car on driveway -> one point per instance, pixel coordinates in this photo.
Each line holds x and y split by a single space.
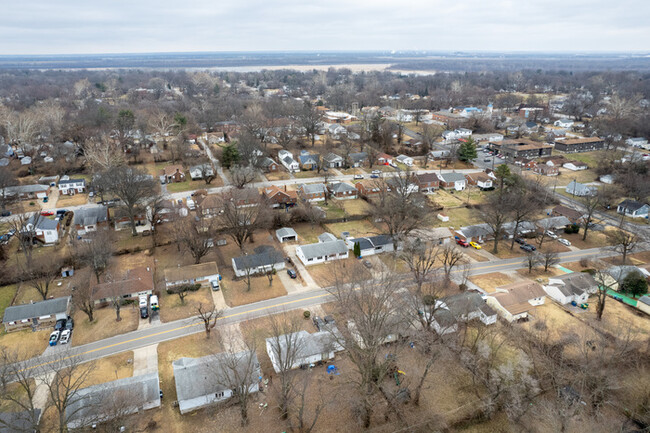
292 273
47 213
564 242
528 248
69 324
358 176
144 312
54 338
60 325
475 245
367 264
550 234
520 241
462 243
215 285
65 336
318 322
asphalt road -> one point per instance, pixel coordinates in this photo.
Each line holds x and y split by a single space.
172 330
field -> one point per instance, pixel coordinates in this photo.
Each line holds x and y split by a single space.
71 200
458 217
111 368
236 292
489 282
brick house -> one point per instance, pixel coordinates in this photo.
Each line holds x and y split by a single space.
312 191
174 173
368 188
546 170
342 190
278 197
480 180
427 182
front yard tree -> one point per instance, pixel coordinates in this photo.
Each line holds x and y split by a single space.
623 242
133 187
208 316
590 204
13 374
467 151
124 123
196 236
309 118
495 214
42 273
82 298
96 250
420 259
635 284
7 179
450 256
243 213
242 175
183 290
549 257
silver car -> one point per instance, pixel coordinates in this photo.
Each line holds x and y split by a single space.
564 242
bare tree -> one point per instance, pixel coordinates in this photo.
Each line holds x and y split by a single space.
133 187
96 250
601 278
421 258
24 224
495 214
154 207
623 242
208 316
42 272
450 256
243 213
590 203
242 175
14 374
182 290
103 153
305 211
303 423
549 257
83 298
7 179
196 236
532 259
309 118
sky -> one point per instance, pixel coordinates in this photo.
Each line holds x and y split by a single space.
141 26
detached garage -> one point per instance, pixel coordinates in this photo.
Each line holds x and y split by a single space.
286 234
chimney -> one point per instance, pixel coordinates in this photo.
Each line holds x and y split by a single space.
285 188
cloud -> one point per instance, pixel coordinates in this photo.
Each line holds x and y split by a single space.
74 26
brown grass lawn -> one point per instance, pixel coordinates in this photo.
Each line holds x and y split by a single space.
353 170
539 274
557 319
475 255
356 228
393 263
619 318
124 240
458 217
7 294
236 292
322 274
71 200
172 309
446 199
104 325
491 281
504 249
643 257
307 234
307 174
27 344
356 206
594 239
111 368
277 175
581 176
27 293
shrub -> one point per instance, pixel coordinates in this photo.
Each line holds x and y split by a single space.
306 314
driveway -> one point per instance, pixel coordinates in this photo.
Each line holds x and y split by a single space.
53 197
308 281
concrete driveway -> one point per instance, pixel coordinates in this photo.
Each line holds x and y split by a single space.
308 281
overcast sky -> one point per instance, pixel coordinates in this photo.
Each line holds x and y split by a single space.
122 26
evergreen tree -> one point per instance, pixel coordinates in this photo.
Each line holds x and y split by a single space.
357 249
467 151
230 156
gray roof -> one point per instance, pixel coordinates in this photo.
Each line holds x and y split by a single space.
524 227
43 223
48 307
465 303
197 377
476 230
308 159
372 241
331 157
308 344
576 283
26 189
313 188
453 177
90 216
320 249
106 401
267 257
66 181
286 232
267 161
358 157
620 272
326 237
17 422
288 160
631 205
342 187
552 222
579 189
645 299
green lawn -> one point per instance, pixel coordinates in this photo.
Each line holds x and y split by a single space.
591 158
7 294
188 185
331 210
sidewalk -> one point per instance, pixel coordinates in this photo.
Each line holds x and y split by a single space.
145 360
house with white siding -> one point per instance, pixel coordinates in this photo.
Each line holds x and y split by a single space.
321 252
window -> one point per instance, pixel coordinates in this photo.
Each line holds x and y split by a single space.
219 394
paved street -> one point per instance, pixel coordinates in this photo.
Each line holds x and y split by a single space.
300 300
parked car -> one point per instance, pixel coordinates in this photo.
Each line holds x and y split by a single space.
520 241
144 312
142 301
487 160
6 213
69 324
292 273
550 234
215 285
374 176
358 176
54 338
367 264
527 248
462 243
377 172
475 245
564 242
65 336
60 325
329 320
47 213
318 322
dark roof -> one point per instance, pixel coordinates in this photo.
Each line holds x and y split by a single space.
576 283
49 307
90 216
266 257
372 241
358 157
567 212
18 422
464 303
631 205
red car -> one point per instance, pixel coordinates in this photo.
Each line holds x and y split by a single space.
47 213
462 243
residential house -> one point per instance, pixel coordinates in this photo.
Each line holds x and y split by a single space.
491 136
607 179
372 245
427 182
72 186
521 148
308 161
121 220
321 252
173 173
446 117
279 197
286 159
480 179
524 228
268 165
456 134
326 237
36 315
26 191
555 161
216 137
633 209
43 228
101 403
637 142
580 190
616 274
286 234
514 301
136 282
368 188
309 348
247 197
333 160
546 170
476 233
384 159
342 190
406 160
462 307
572 287
89 219
358 159
575 165
579 144
312 191
392 328
265 259
201 382
453 180
200 171
208 206
438 155
192 274
563 123
553 223
48 180
643 304
571 214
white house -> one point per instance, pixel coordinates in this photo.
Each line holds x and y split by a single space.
456 134
563 123
633 209
286 159
201 170
576 286
372 245
637 142
201 382
72 186
575 165
580 190
44 229
321 252
266 259
514 301
310 348
406 160
453 180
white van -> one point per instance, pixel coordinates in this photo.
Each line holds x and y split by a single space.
190 204
153 301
